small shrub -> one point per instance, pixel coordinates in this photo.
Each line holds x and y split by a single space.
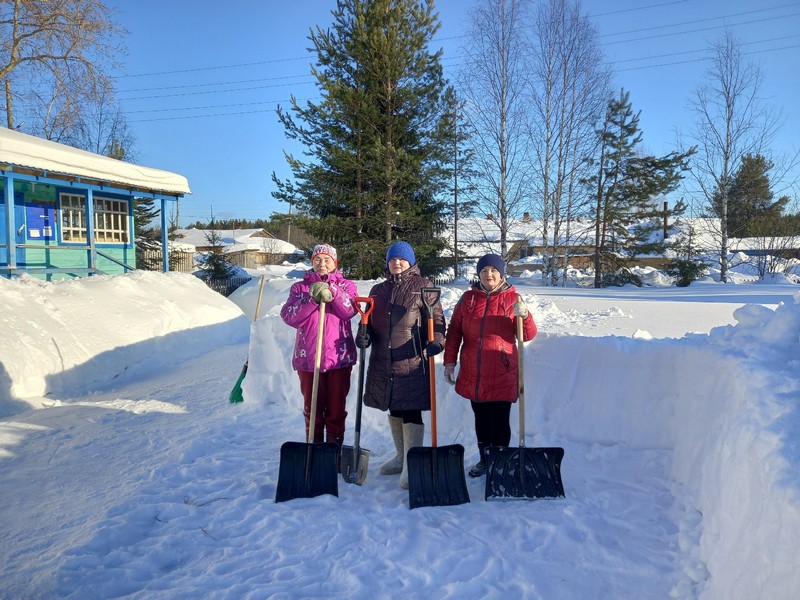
620 278
685 271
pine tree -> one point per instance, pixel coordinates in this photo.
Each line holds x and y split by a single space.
626 188
380 140
145 236
215 265
750 205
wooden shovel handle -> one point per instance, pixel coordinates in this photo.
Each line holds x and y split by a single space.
315 382
521 382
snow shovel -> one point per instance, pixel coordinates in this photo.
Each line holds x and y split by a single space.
354 460
236 393
309 470
523 472
436 474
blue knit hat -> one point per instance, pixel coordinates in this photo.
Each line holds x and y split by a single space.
492 260
401 250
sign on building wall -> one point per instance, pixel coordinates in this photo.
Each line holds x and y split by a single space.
40 220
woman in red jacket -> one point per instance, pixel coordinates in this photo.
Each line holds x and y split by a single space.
482 335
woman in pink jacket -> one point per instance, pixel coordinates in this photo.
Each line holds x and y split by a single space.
324 282
482 336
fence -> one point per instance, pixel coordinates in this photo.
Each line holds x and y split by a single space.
150 260
440 280
225 285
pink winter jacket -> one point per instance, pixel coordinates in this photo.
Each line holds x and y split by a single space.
302 313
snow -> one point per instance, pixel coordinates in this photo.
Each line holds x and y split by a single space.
22 150
234 240
125 472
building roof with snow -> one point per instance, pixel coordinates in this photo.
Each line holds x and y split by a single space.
234 240
21 153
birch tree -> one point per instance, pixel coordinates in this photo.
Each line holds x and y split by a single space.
58 51
568 91
492 85
731 122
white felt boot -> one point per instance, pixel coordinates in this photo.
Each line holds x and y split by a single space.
395 465
412 438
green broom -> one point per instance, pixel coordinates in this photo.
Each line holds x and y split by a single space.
236 393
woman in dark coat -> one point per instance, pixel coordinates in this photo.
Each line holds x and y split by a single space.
397 376
482 337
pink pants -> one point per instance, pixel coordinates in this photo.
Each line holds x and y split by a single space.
332 392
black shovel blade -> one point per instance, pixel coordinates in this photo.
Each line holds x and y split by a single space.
436 476
524 472
353 465
307 470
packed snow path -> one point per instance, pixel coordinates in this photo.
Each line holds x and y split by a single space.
163 489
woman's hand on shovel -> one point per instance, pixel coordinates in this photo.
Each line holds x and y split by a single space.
321 292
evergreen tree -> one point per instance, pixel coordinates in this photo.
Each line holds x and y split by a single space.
750 205
380 141
215 266
145 236
626 189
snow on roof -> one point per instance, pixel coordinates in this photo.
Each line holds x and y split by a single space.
236 240
28 152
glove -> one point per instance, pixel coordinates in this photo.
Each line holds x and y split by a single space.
450 374
520 309
432 349
320 292
363 340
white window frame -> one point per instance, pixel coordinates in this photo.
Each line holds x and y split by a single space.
111 219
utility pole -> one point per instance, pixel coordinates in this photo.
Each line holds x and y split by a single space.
455 205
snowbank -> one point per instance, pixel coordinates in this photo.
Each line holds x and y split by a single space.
723 405
135 321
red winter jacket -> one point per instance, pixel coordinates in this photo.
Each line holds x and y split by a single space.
482 337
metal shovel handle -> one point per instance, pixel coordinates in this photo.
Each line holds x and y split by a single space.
427 292
365 313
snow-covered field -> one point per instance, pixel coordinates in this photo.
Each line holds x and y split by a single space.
125 472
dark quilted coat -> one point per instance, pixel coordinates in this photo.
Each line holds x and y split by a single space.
397 377
482 338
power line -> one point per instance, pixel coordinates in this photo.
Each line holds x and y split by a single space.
179 87
696 21
726 26
297 58
311 80
655 56
192 70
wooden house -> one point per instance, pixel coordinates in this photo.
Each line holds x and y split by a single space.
67 212
247 248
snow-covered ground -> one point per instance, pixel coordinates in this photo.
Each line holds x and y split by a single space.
125 472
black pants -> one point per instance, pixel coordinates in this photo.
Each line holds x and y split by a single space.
492 426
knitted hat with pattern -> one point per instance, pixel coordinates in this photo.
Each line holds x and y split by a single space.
325 249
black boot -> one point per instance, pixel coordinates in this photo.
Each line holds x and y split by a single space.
479 470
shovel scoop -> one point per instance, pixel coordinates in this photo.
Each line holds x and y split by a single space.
354 459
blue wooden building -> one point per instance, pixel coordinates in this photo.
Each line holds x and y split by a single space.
66 212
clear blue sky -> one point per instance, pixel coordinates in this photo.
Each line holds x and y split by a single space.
202 79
